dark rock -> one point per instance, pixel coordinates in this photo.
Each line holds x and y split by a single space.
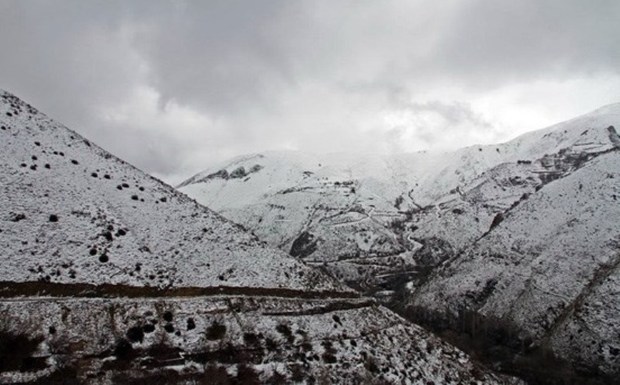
304 245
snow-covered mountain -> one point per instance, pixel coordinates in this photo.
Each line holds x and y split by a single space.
109 276
525 232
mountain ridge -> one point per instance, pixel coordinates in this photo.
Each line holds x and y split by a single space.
472 223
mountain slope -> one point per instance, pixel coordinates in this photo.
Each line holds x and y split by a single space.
110 276
74 214
548 269
351 212
523 232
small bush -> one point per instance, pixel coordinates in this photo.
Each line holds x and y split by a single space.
18 217
247 375
16 351
168 316
398 225
286 332
135 334
191 324
217 375
148 328
123 350
329 358
277 378
251 339
216 331
371 365
271 345
238 172
297 373
399 201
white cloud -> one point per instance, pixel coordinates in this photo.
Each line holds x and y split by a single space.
175 86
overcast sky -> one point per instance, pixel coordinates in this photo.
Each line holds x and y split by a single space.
173 86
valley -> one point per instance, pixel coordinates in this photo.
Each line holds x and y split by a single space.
520 237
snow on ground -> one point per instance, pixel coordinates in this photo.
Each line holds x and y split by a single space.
524 231
297 341
109 276
360 207
553 258
72 213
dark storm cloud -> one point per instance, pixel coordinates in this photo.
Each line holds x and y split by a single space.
174 85
218 55
65 58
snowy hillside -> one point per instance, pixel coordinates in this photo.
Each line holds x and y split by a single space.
549 269
350 212
482 230
109 276
74 213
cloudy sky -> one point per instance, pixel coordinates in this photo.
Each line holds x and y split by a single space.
173 86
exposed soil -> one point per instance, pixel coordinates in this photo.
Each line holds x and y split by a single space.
83 290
